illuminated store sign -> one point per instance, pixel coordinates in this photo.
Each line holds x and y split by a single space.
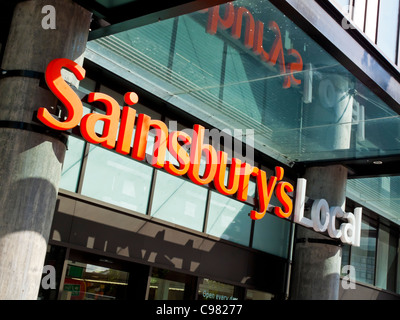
118 132
253 39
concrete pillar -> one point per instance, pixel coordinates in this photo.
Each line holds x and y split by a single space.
31 162
317 259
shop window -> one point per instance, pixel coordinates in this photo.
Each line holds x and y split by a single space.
258 295
179 201
229 219
72 162
271 235
55 258
214 290
117 180
170 285
85 281
386 259
363 257
345 258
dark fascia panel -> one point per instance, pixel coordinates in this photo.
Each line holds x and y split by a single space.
141 12
349 47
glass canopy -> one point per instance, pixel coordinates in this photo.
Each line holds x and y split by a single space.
244 65
213 73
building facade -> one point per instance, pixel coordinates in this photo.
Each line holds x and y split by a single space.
129 196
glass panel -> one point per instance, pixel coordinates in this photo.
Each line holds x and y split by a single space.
363 257
169 285
345 257
398 267
73 159
388 28
359 13
90 282
229 219
72 164
386 259
214 290
342 5
372 13
55 258
116 179
219 77
271 235
381 195
258 295
179 201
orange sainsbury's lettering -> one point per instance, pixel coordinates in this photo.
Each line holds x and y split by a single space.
144 122
281 193
110 121
216 169
264 191
234 175
64 93
197 149
127 124
244 180
178 152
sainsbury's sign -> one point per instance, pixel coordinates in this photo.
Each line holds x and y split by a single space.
118 133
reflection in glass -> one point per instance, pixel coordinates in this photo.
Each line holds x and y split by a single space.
214 290
179 201
90 282
170 285
379 194
161 289
229 219
271 235
117 180
219 78
386 258
258 295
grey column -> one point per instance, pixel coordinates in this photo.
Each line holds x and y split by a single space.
317 265
31 162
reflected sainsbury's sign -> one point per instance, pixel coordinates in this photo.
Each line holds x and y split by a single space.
254 38
118 133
